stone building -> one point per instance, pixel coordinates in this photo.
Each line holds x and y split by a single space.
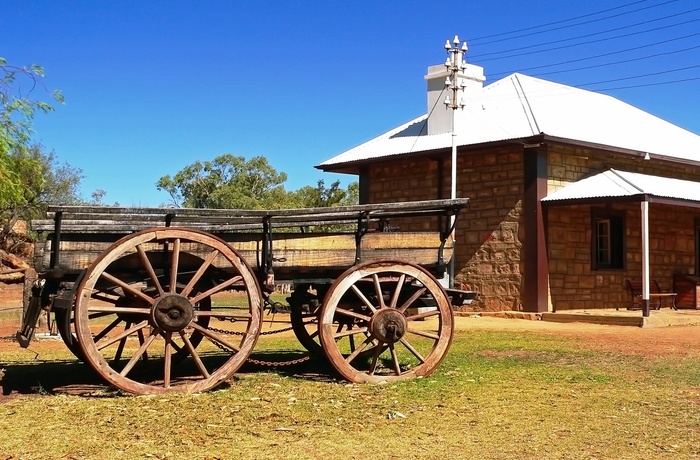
572 192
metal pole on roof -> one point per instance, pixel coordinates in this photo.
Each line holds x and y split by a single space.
454 84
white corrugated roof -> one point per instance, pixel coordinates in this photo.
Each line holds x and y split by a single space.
520 106
613 183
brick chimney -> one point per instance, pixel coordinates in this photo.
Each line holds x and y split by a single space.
440 120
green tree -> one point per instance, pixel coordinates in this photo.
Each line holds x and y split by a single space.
40 181
17 104
228 182
322 196
30 178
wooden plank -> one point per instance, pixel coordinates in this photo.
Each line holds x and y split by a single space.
313 252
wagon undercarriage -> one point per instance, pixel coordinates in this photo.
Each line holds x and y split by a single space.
147 310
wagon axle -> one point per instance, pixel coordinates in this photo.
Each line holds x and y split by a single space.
388 326
172 312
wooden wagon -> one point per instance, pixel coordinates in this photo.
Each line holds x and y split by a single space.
162 300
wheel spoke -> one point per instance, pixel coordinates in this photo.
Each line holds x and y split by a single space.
423 333
395 298
108 328
352 314
378 290
358 350
395 359
142 349
350 332
195 356
214 337
168 336
120 347
200 271
416 295
364 299
412 349
103 297
423 315
375 358
127 287
149 269
121 335
141 340
217 288
112 310
174 265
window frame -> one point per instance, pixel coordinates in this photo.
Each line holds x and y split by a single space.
615 240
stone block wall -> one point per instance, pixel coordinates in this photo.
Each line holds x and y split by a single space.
488 233
572 282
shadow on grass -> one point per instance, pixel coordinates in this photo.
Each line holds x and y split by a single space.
52 377
300 365
76 378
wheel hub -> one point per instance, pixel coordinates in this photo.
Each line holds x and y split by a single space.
172 312
388 326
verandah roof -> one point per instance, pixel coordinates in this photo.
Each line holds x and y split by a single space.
614 185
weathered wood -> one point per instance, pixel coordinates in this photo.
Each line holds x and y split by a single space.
290 250
87 231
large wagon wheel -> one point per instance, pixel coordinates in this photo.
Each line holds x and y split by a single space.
144 306
65 324
397 322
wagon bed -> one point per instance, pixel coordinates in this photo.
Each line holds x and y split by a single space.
134 290
283 240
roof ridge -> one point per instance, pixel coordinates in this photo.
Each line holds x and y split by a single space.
628 182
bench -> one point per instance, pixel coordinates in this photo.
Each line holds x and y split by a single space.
657 296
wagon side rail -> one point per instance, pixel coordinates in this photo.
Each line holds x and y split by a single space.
263 233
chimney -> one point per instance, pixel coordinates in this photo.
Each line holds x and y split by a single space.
440 120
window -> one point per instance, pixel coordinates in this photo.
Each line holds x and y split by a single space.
608 239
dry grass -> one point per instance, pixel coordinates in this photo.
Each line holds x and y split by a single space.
515 395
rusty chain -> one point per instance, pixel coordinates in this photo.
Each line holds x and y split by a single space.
260 362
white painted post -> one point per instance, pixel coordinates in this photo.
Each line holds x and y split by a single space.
645 258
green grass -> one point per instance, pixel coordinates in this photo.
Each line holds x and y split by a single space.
496 395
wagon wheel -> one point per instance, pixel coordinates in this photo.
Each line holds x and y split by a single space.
65 324
144 304
305 327
394 312
303 316
304 321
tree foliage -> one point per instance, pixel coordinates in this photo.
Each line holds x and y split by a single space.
233 182
40 180
30 178
322 196
228 181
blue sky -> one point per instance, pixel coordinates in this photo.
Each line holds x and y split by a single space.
152 86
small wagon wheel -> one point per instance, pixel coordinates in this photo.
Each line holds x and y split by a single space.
385 321
305 326
303 316
144 319
64 325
